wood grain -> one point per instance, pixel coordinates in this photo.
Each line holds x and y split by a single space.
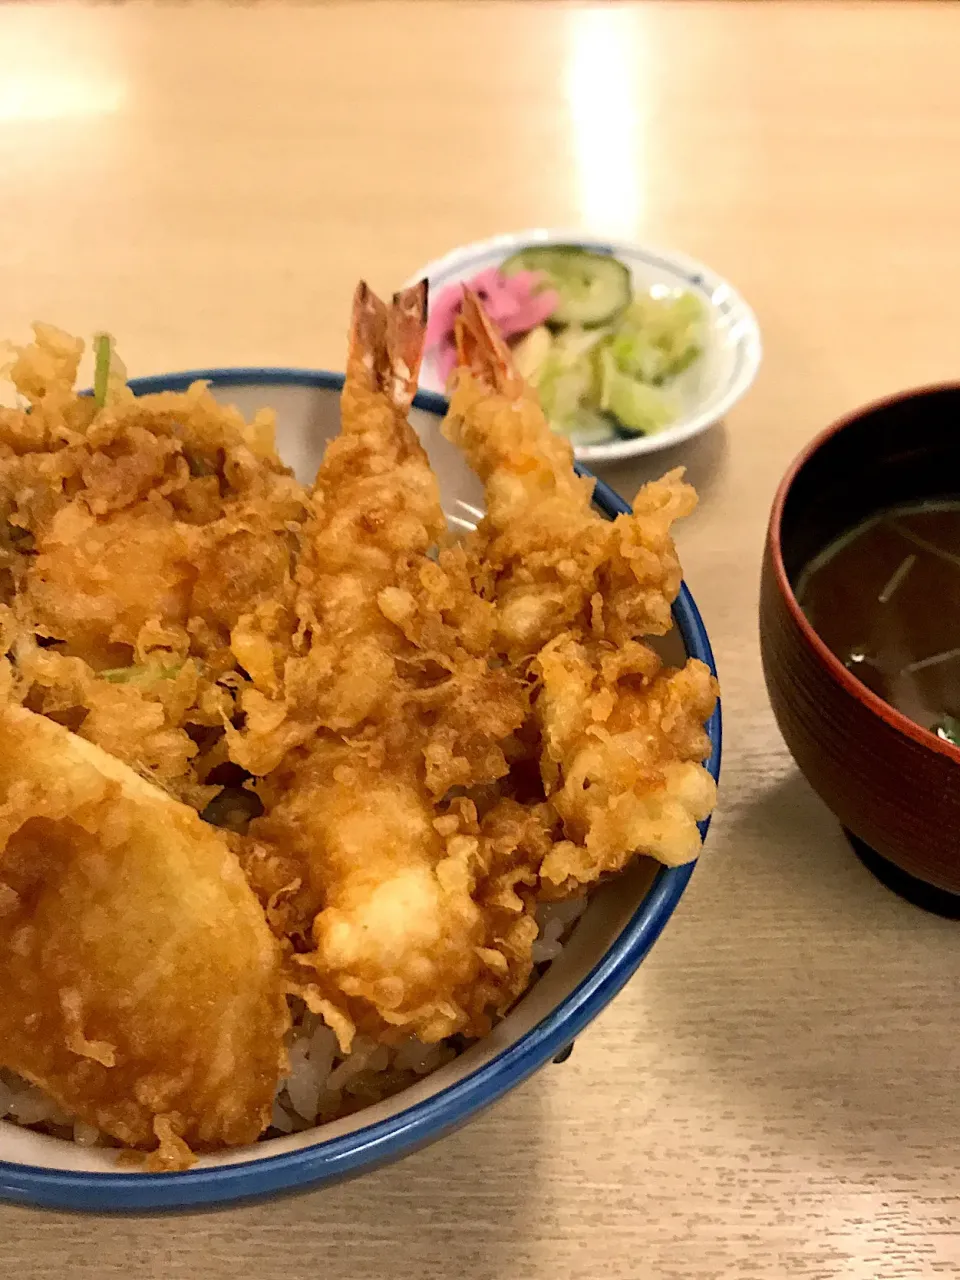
776 1093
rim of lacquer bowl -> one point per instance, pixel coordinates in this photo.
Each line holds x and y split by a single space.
890 715
419 1124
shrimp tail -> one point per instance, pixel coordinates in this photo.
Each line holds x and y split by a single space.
406 326
366 346
386 343
482 350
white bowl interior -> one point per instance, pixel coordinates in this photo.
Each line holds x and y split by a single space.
705 392
306 418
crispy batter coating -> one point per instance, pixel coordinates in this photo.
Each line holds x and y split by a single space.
413 742
427 922
399 930
399 943
363 570
117 518
550 561
622 741
142 987
623 745
134 538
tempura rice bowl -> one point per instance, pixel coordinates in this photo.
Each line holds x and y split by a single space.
586 952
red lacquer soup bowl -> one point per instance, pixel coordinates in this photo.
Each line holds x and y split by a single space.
894 786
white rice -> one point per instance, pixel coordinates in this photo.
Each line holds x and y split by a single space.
25 1104
555 920
323 1083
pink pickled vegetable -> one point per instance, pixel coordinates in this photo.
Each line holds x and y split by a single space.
516 304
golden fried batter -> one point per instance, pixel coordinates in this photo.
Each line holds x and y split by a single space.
142 987
622 741
546 556
133 539
623 745
430 738
399 944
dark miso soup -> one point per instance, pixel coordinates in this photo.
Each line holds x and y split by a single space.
885 598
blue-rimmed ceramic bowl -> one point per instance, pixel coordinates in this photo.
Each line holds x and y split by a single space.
609 942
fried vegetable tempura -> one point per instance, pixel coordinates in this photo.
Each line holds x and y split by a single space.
142 988
133 537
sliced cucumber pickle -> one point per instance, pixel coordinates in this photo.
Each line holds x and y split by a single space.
594 288
639 408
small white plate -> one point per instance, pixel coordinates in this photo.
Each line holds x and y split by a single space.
706 391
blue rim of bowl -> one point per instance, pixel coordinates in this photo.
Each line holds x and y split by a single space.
424 1122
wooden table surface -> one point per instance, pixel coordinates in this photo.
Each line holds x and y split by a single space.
776 1093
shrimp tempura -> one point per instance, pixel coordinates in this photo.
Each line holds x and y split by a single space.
400 945
542 552
369 595
374 503
621 738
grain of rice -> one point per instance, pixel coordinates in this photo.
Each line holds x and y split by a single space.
280 1119
323 1048
304 1082
412 1054
31 1106
352 1065
85 1135
379 1060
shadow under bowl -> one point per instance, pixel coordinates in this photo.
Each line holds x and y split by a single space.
894 785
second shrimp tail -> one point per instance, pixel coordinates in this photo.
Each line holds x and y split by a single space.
386 343
482 350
